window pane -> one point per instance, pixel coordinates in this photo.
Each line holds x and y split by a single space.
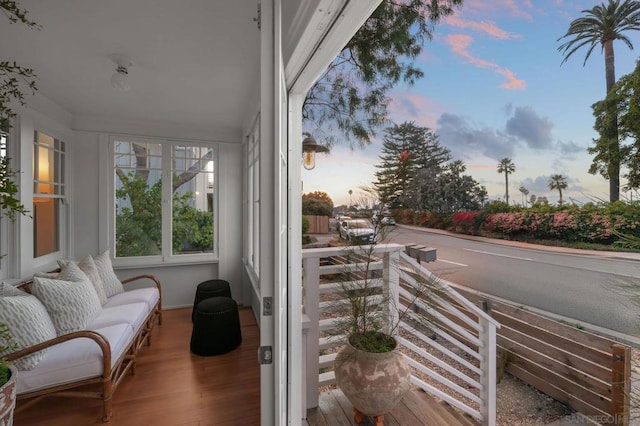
45 226
193 194
138 173
48 190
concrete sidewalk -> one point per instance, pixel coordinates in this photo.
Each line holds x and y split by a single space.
541 247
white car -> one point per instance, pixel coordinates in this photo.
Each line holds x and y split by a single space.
357 231
384 220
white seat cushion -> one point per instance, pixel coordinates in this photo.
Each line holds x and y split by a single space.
132 314
148 295
74 360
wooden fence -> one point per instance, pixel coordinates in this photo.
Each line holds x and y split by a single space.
585 371
318 224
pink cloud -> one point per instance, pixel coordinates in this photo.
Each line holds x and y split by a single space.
518 9
414 107
460 43
486 27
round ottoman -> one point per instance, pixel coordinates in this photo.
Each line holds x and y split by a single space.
216 327
210 288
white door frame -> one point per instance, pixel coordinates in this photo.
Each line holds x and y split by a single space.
280 189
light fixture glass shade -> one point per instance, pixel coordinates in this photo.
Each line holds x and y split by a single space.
309 160
119 79
309 150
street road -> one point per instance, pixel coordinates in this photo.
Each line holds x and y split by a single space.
584 288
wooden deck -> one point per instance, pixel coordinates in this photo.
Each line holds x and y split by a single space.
416 408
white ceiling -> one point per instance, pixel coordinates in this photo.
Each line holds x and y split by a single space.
195 62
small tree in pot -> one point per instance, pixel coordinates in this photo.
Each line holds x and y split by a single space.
370 370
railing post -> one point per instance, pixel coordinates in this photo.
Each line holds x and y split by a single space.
620 384
391 278
311 301
487 336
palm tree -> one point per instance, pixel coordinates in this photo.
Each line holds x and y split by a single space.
558 182
525 192
601 25
507 167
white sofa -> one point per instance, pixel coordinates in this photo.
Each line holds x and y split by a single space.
91 362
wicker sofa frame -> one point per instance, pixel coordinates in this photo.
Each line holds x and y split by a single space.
103 386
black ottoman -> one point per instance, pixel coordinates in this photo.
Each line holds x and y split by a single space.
210 288
216 327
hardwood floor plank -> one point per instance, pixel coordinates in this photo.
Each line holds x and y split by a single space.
172 386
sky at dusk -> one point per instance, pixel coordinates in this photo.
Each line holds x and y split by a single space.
494 87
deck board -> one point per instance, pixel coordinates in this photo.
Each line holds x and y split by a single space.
415 409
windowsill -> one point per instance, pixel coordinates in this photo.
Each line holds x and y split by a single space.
160 263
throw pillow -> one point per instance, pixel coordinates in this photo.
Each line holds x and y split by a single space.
88 266
27 321
112 284
70 304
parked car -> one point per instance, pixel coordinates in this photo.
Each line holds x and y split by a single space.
384 220
388 220
357 231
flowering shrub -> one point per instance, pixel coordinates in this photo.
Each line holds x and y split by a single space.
590 223
466 222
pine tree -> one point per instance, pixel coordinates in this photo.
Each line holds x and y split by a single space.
408 151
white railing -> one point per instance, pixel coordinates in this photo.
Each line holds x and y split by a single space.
453 358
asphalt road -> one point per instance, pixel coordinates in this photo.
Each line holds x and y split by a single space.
586 288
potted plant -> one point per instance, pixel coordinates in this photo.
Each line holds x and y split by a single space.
370 369
8 375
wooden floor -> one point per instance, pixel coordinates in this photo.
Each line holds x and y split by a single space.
416 409
172 386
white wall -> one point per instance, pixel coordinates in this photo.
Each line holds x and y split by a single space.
179 281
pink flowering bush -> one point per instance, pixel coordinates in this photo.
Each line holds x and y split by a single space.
591 223
465 222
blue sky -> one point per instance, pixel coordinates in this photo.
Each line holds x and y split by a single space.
494 87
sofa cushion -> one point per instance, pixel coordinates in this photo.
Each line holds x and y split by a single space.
148 295
27 321
75 360
70 304
88 266
132 314
112 284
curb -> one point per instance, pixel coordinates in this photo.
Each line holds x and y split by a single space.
530 246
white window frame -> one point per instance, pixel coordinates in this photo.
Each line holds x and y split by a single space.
252 202
36 263
59 181
166 257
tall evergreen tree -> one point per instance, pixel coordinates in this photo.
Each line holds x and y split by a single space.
415 172
407 148
450 190
600 26
350 97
